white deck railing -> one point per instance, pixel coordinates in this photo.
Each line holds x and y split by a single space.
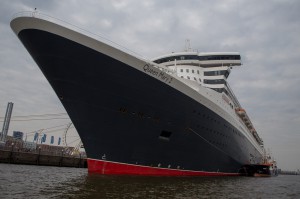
100 37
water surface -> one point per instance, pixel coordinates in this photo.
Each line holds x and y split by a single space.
25 181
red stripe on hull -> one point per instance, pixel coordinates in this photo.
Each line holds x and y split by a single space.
114 168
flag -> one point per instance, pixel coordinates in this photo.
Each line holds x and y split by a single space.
44 138
36 135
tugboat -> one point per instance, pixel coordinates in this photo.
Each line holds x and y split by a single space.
267 169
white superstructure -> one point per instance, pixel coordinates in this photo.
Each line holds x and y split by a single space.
210 70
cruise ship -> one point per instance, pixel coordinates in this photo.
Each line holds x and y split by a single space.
174 115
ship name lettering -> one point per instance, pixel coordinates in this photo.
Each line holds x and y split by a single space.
163 76
158 74
150 70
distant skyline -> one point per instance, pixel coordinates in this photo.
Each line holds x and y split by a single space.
266 33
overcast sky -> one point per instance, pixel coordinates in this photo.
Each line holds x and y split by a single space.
266 33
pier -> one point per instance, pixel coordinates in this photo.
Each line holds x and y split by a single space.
43 158
285 172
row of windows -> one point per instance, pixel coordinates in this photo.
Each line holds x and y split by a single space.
220 57
213 133
214 81
219 90
188 77
173 58
188 70
216 73
234 131
200 58
206 116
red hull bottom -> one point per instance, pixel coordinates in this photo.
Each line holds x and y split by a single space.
115 168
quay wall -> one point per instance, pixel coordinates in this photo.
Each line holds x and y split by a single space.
41 158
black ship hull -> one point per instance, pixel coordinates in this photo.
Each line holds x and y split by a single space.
131 122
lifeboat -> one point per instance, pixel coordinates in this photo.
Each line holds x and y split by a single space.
247 121
252 130
241 112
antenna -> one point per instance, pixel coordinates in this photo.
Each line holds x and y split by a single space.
188 45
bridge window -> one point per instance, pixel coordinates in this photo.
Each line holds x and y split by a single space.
173 58
196 57
220 90
216 73
214 81
220 57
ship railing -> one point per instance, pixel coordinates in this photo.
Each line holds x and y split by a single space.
232 96
101 37
255 135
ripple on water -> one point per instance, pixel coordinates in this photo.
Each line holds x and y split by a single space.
24 181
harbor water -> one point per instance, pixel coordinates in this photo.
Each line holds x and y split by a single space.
28 181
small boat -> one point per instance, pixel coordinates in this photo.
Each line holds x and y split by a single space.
266 169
